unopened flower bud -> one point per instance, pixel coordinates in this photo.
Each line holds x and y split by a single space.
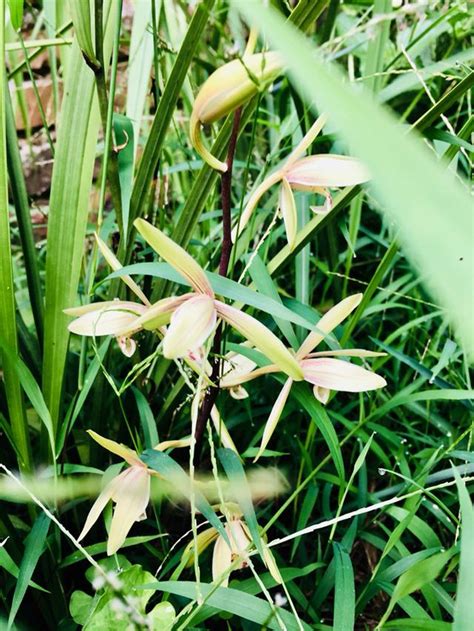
229 87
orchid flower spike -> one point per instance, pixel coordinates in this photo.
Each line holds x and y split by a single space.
314 174
193 317
320 369
130 491
227 88
224 556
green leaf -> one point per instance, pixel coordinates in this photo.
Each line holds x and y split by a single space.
344 593
81 19
147 419
67 221
7 302
34 546
236 474
409 184
173 472
464 607
16 13
419 575
222 286
124 135
233 601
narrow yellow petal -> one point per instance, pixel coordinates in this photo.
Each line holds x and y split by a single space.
173 444
335 374
131 497
287 206
306 141
190 326
129 455
156 316
274 417
346 352
98 506
115 264
329 171
174 254
204 539
328 322
222 430
321 394
262 338
253 201
221 560
270 562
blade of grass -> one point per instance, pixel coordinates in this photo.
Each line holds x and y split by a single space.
7 303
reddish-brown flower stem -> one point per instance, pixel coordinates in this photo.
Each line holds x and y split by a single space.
226 249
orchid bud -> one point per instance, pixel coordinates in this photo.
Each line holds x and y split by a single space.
229 87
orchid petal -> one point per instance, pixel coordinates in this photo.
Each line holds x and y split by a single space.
157 315
328 322
173 444
306 141
340 375
235 366
221 560
115 264
288 210
252 203
176 256
238 393
108 320
270 562
99 505
274 417
127 345
329 171
346 352
203 540
131 496
190 326
231 381
129 455
262 338
222 430
321 394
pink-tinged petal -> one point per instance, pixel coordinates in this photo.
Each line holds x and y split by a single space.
99 505
96 320
329 171
335 374
321 394
328 322
174 254
129 455
262 338
221 560
236 380
274 417
115 264
253 201
190 326
327 207
287 207
131 496
157 315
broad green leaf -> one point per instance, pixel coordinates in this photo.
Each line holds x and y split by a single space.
233 601
16 13
68 211
125 141
464 607
408 182
7 302
81 19
34 546
344 592
236 474
222 287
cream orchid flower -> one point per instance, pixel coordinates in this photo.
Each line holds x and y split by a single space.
314 174
193 317
320 369
224 556
226 89
130 491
